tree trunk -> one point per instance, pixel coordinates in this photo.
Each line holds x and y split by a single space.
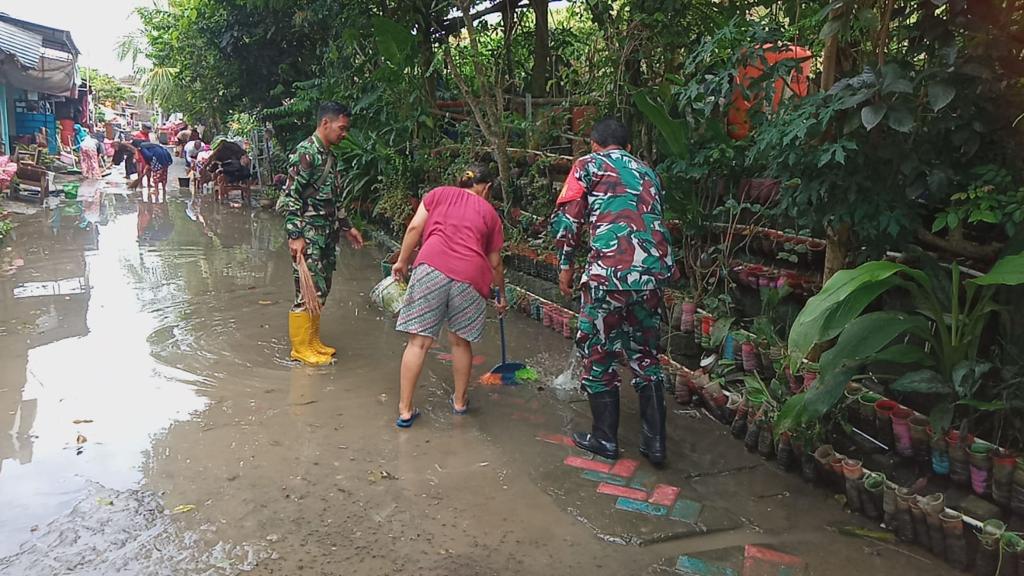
829 56
541 49
838 241
424 38
508 24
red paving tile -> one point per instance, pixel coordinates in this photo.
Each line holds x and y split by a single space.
584 464
625 468
664 495
613 490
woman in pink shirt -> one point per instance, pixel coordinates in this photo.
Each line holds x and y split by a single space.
458 263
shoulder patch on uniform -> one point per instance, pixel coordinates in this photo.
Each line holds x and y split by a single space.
305 161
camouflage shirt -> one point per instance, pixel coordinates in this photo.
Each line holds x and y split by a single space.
620 199
310 196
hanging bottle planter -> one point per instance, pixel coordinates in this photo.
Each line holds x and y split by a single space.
686 320
1003 464
940 453
749 355
959 462
953 538
1017 497
853 471
871 497
901 431
981 468
920 438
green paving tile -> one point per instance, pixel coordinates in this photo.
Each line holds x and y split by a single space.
686 511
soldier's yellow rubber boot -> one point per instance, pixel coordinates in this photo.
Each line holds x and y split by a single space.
316 344
300 330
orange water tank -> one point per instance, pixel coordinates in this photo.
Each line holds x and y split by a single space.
797 84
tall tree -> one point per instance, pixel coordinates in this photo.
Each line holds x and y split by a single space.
541 49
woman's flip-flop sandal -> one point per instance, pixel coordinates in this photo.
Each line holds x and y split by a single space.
407 423
456 411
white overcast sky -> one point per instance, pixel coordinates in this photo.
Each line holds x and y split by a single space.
95 25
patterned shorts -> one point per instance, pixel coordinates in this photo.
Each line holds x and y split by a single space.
434 298
159 175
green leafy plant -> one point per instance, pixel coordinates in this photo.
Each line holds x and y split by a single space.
990 199
940 333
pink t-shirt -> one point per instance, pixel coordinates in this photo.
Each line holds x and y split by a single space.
462 229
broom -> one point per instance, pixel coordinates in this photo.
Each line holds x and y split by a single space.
307 289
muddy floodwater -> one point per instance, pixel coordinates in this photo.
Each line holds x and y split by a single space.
150 423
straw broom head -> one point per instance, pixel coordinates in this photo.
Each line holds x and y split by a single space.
307 289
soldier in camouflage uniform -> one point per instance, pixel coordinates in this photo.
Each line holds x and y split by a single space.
620 199
314 220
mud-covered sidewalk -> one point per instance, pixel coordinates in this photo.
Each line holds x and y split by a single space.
149 424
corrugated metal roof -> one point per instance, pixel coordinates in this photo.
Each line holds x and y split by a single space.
22 44
54 38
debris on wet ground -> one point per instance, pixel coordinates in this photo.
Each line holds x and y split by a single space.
81 421
382 474
859 532
126 532
181 509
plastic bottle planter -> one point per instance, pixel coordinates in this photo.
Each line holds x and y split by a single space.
698 330
766 440
853 474
872 495
739 422
851 394
1010 547
933 505
729 347
901 431
981 468
889 507
940 454
919 438
866 409
808 466
809 379
749 354
904 519
987 559
752 438
1017 497
706 324
1003 465
883 420
838 478
959 464
953 537
823 455
686 320
682 389
732 407
795 384
920 523
784 453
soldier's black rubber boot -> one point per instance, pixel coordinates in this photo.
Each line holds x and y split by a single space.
603 437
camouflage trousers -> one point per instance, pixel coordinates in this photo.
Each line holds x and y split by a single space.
617 325
321 258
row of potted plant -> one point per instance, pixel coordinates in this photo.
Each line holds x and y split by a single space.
921 518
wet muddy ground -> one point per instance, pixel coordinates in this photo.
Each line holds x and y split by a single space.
150 424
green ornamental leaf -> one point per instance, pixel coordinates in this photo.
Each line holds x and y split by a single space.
940 94
870 116
832 27
842 299
901 119
941 417
898 86
866 335
825 394
672 130
1008 271
923 382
